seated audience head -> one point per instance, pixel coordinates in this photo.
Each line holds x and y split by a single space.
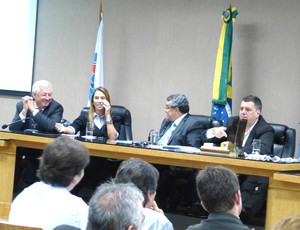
116 207
62 162
288 223
219 191
176 105
142 174
42 93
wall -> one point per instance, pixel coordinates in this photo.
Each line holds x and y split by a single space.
154 48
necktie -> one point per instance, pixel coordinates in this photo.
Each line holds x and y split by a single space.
165 138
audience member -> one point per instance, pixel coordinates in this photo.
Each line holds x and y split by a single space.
254 188
219 191
116 207
145 177
49 203
66 227
288 223
178 128
37 112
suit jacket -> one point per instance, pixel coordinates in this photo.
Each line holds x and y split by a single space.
224 221
189 132
44 120
79 124
262 130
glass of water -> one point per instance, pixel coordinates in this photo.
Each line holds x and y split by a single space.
89 129
256 145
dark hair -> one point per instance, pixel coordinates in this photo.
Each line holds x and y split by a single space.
217 187
141 173
61 160
115 207
180 101
255 100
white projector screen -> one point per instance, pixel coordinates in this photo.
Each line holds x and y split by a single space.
17 23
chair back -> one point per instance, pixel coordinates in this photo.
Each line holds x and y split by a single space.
208 121
7 226
284 141
126 129
125 115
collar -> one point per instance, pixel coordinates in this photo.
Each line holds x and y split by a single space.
249 130
179 119
96 115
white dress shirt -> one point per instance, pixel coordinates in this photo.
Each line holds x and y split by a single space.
156 221
45 206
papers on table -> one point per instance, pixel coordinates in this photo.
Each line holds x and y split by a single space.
70 135
124 142
175 148
260 157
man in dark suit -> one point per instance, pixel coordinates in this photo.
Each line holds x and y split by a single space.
254 189
178 128
219 191
37 112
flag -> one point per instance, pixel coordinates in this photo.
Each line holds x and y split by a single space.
222 87
97 77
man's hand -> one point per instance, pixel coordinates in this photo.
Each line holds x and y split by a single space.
26 101
219 132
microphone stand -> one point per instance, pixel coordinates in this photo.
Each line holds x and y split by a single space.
14 122
33 130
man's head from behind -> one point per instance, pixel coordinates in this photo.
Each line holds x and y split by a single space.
218 189
142 174
116 207
63 161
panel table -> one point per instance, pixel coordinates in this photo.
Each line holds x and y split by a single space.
10 141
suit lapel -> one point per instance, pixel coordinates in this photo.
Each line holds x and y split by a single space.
178 128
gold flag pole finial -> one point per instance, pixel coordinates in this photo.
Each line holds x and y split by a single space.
100 11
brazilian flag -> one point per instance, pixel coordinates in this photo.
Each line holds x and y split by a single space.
222 88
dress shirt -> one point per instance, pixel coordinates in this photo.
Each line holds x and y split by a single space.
45 206
165 138
246 135
99 120
156 221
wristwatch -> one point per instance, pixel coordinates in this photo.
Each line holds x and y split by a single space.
109 121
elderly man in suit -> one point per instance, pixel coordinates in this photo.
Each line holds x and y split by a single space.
38 111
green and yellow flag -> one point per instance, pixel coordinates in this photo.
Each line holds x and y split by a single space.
222 88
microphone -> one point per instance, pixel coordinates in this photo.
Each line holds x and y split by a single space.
6 125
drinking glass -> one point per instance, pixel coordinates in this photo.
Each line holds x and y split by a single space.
256 145
154 136
89 129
